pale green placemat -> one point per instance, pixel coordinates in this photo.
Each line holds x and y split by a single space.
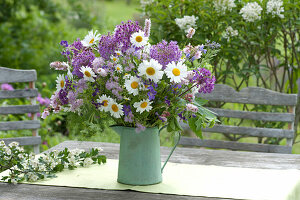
193 180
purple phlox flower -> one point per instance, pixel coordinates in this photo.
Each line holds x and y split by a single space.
126 109
107 46
147 27
212 45
165 52
167 101
45 114
129 117
6 86
81 85
139 127
123 33
204 79
43 101
62 94
151 94
97 63
59 65
191 107
85 58
64 43
162 118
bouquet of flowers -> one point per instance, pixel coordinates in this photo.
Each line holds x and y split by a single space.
121 76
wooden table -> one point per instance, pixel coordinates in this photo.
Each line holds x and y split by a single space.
181 155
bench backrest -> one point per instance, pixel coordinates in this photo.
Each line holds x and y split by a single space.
12 76
251 95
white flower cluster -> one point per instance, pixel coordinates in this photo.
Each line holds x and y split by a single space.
186 22
229 33
144 3
275 7
251 12
222 6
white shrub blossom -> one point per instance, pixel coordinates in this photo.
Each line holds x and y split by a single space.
229 33
144 3
275 7
222 6
87 162
251 12
186 22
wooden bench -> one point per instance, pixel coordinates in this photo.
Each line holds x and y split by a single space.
12 76
256 96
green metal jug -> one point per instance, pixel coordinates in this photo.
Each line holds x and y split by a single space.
139 157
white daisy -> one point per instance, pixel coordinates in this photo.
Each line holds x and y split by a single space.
176 72
60 82
132 85
88 73
119 68
138 39
151 69
114 58
143 105
118 53
90 39
115 109
105 101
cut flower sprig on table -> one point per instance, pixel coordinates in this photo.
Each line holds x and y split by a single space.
23 166
123 77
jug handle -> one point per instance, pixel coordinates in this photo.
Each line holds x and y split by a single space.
176 143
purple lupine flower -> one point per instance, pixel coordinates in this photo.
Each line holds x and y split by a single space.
165 52
123 33
107 46
212 45
201 48
181 116
85 58
147 27
139 127
6 86
204 79
64 43
62 94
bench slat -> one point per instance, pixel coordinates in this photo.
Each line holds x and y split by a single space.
263 116
34 140
250 131
187 141
19 109
19 125
249 95
14 75
18 93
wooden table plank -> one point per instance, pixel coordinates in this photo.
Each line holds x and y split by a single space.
181 155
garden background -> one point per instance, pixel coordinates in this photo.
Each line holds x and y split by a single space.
264 52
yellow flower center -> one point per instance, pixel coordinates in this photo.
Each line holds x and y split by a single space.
105 103
134 85
139 38
118 54
114 59
92 40
62 83
118 68
144 105
150 71
115 108
176 72
87 73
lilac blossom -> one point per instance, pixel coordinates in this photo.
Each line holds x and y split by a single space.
165 52
123 33
43 101
6 86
